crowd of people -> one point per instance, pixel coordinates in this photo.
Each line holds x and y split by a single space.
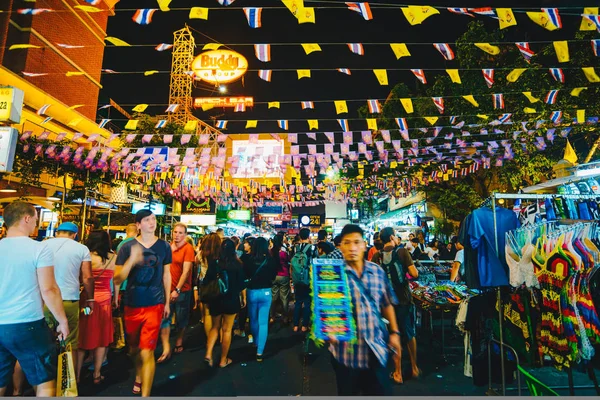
75 289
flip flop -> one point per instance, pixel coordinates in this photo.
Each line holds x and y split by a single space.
208 362
418 376
228 363
98 380
178 349
137 388
394 380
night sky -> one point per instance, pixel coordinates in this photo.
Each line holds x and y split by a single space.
228 25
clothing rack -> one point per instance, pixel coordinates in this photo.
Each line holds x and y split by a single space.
491 202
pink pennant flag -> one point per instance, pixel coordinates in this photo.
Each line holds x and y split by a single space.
203 139
348 138
385 134
222 138
367 137
77 136
167 139
330 136
147 138
185 139
293 137
312 135
61 136
328 148
344 148
312 149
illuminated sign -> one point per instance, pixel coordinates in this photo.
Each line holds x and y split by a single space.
311 220
254 160
219 66
8 147
223 101
199 220
11 104
206 206
239 215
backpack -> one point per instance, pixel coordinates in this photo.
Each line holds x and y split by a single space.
403 290
300 264
216 288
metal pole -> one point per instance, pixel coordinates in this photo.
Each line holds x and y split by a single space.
108 224
499 298
84 217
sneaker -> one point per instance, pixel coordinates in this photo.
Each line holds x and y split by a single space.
250 339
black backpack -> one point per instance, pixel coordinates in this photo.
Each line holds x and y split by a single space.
403 290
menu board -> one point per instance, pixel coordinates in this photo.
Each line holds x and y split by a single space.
332 303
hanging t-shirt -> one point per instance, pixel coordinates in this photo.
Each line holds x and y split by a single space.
145 281
493 270
471 272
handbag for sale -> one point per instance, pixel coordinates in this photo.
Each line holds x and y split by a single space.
215 288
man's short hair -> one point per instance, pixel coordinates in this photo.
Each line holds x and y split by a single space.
304 233
322 235
351 228
181 224
131 228
220 230
15 211
385 235
140 215
337 240
415 240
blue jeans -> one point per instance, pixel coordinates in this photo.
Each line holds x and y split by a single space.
259 303
302 305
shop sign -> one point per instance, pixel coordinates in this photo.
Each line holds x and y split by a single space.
293 231
219 66
311 220
11 104
205 206
239 215
223 101
8 146
269 210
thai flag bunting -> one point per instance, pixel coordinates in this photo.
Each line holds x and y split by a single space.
172 108
595 19
225 2
357 48
487 11
402 124
558 74
33 11
498 101
265 74
344 125
551 97
464 171
445 50
241 107
488 75
221 124
556 117
308 104
374 106
283 124
463 11
160 124
459 125
263 52
453 120
93 2
454 173
553 16
525 50
163 47
439 103
449 136
595 46
34 74
69 46
361 8
144 16
504 118
420 75
43 109
47 119
253 15
344 71
103 123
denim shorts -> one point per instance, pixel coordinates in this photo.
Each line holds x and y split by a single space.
406 319
32 344
181 308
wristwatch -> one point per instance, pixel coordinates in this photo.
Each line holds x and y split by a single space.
178 290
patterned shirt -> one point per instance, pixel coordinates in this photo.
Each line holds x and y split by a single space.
371 333
336 255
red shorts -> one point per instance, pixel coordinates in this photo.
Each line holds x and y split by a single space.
142 325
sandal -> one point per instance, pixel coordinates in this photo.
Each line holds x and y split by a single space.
163 358
208 361
137 388
394 379
98 380
228 363
178 349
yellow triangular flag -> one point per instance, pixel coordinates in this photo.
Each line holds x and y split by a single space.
295 6
198 13
303 73
211 46
417 14
570 154
586 24
541 18
580 116
24 46
75 121
164 5
488 48
529 110
431 120
515 74
206 107
530 97
562 51
393 165
152 72
577 91
381 75
483 116
400 50
273 104
116 41
76 106
372 124
140 108
191 125
251 123
408 105
74 73
313 124
590 74
89 9
340 106
310 47
454 76
131 124
506 17
306 15
471 100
